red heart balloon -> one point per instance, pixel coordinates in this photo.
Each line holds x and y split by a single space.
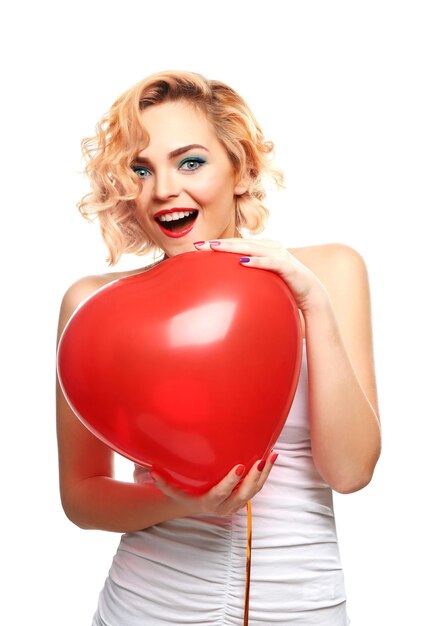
190 367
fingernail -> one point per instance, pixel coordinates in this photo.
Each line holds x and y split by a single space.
239 471
261 465
215 243
274 457
244 259
198 243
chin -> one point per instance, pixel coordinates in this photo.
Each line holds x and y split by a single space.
180 249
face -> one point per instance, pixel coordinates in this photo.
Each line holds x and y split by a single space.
188 182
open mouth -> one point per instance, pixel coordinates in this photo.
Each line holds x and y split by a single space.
177 223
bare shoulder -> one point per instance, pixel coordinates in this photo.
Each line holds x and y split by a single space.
342 271
337 265
84 288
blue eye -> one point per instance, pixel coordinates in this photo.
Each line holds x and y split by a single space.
192 164
140 171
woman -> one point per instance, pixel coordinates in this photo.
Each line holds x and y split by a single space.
178 164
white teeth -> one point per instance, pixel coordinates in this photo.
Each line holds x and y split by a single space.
178 215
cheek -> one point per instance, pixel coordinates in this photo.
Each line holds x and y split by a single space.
142 204
145 195
213 188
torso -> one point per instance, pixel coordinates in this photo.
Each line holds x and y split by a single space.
192 570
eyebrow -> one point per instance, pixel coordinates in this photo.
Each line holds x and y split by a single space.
174 153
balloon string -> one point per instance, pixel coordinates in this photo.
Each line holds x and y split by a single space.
248 563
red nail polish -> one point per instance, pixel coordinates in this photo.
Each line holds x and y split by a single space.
274 457
198 243
261 465
240 470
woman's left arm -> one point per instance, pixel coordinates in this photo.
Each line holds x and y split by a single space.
345 430
330 285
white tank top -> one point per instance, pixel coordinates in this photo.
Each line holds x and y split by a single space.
192 570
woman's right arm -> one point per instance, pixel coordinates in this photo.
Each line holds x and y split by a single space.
91 496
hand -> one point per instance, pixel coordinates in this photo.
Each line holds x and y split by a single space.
226 497
306 288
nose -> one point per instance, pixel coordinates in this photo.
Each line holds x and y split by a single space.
166 185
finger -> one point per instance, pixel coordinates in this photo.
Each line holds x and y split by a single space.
256 477
249 487
264 469
245 246
202 245
280 264
234 243
224 489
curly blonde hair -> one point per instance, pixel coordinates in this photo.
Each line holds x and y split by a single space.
120 136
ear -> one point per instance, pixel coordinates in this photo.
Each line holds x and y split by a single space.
242 186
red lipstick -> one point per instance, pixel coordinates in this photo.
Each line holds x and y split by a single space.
173 210
175 234
172 231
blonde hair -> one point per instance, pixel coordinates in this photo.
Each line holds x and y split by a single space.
120 136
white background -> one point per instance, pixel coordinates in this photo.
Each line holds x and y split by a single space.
344 90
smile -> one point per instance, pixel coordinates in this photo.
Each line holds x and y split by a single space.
176 222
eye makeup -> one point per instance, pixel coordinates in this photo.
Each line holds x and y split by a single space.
196 161
143 172
140 171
